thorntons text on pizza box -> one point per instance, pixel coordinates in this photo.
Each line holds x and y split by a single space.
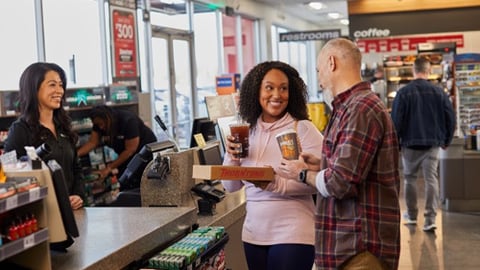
213 172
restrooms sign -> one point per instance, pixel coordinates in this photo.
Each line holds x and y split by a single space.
309 35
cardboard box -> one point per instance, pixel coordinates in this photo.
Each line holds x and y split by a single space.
213 172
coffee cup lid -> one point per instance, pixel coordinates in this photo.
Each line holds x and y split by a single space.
288 131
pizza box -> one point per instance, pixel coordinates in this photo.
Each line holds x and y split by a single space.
219 172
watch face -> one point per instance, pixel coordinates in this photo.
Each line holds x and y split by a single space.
303 176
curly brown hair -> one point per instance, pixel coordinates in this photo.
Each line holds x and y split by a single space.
249 105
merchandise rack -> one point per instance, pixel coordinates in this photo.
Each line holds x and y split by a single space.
30 251
22 198
205 256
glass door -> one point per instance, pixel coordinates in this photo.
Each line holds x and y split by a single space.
173 84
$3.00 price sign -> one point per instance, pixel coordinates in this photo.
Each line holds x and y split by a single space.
124 42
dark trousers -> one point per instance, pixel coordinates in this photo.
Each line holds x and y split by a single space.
279 257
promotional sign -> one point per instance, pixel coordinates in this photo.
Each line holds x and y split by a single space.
123 29
227 83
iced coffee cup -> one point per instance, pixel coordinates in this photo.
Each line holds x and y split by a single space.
287 140
240 131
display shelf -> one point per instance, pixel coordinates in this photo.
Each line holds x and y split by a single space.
467 82
211 251
31 251
22 198
15 247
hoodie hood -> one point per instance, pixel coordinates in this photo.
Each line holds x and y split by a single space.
287 119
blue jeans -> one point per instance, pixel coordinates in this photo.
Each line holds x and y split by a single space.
279 257
428 161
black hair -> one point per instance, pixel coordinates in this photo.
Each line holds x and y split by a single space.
106 114
30 82
249 104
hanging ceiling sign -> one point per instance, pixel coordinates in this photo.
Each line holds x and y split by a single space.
310 35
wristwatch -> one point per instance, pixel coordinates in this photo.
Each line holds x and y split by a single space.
302 177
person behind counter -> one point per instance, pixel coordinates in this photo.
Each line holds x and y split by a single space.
121 130
278 232
43 120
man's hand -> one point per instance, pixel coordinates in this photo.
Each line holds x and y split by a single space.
290 169
314 163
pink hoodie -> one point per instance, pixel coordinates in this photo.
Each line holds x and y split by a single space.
284 211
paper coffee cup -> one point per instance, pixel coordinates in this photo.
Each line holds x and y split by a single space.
287 141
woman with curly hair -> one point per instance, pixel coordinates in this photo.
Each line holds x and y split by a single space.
278 232
43 120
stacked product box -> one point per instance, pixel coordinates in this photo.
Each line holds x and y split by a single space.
193 251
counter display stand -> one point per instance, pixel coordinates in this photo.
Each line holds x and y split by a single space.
31 251
202 249
459 185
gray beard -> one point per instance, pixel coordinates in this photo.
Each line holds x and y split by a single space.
327 98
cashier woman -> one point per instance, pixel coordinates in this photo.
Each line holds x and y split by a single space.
121 130
43 120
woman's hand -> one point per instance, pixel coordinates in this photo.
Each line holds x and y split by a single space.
233 148
76 202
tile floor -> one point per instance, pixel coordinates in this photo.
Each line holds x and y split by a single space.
454 245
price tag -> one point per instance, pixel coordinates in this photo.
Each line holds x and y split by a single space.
34 193
28 241
12 202
199 139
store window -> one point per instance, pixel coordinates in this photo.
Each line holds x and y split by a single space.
205 27
170 13
229 43
235 63
300 55
72 39
17 50
248 44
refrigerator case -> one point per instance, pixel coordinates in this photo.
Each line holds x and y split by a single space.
467 83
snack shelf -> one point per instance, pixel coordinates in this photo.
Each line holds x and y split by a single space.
22 198
17 246
203 258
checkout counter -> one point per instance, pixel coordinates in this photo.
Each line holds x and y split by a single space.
123 238
459 177
126 237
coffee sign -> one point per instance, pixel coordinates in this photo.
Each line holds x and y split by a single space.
371 33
